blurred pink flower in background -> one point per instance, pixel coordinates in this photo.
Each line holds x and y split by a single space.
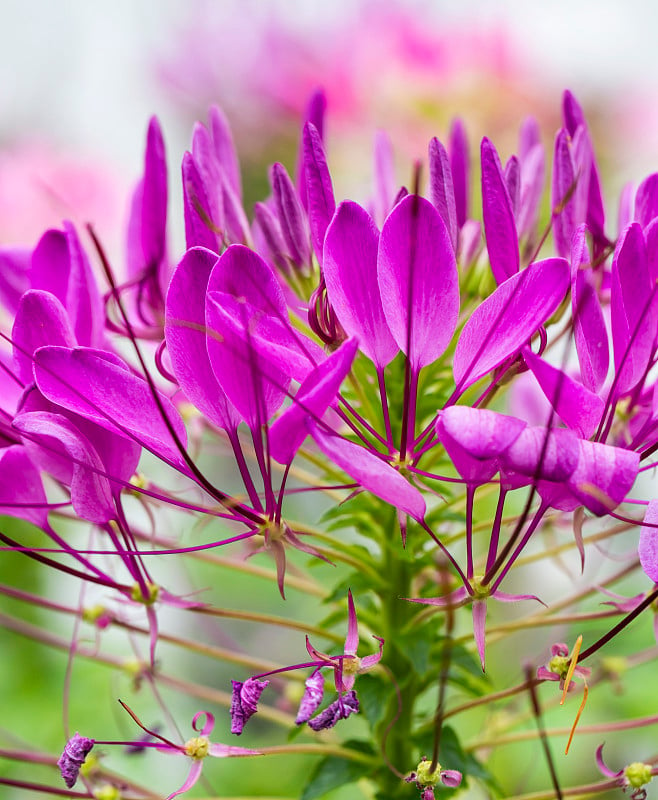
40 186
381 64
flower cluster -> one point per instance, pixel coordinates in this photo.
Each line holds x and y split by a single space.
415 360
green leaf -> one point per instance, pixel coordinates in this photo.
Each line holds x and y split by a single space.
333 772
374 697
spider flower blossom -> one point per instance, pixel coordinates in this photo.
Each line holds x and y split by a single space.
345 667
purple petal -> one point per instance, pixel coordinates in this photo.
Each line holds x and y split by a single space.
75 751
529 137
604 476
648 548
442 191
590 332
512 175
319 190
83 301
154 196
225 153
312 699
646 200
202 211
634 309
544 454
101 388
21 487
576 406
275 249
600 763
481 433
40 320
350 273
185 332
574 119
504 322
418 280
51 265
91 493
339 709
313 398
458 597
459 167
533 172
14 266
244 703
254 384
562 194
291 216
223 750
370 472
384 177
243 273
451 778
498 214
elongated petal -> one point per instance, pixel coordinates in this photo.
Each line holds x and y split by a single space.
350 273
384 199
154 196
442 191
313 398
563 188
512 175
533 173
589 332
185 332
83 301
91 493
498 214
291 216
576 406
51 265
648 548
646 200
40 320
98 387
634 309
253 383
600 763
370 472
203 217
319 190
312 698
192 777
225 153
508 318
418 280
21 488
14 266
460 169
